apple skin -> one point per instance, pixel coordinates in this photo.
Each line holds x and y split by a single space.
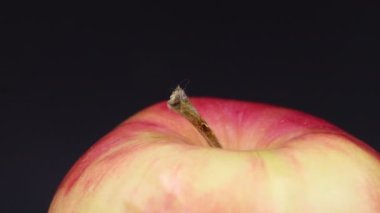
273 160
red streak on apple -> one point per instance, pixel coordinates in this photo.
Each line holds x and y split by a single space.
120 135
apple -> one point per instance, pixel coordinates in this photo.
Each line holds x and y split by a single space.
247 157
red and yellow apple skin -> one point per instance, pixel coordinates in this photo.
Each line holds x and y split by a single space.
273 160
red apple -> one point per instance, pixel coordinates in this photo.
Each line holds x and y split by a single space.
272 160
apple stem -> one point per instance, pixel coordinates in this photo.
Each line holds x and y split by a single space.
180 103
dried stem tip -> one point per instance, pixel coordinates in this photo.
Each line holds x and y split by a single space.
180 103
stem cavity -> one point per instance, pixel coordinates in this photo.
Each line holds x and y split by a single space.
180 103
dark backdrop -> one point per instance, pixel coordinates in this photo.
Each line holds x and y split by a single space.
69 74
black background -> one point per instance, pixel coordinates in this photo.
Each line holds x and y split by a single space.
69 74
